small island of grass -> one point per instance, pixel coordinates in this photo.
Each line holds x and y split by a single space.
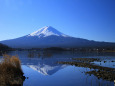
10 71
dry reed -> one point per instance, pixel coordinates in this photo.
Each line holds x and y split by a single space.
10 71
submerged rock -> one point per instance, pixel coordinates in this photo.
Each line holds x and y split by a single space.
105 73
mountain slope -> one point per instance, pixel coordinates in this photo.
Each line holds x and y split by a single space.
50 37
47 31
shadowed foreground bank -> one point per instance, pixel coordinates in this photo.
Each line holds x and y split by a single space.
11 73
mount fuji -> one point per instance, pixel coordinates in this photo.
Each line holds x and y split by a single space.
50 37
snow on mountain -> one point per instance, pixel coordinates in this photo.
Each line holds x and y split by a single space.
46 69
47 31
50 37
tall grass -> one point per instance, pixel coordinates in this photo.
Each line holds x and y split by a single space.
10 71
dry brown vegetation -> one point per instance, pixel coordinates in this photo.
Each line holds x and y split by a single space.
10 71
31 55
43 55
47 54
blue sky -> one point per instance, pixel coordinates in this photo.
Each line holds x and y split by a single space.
89 19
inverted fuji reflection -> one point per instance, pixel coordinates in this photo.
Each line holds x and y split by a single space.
46 69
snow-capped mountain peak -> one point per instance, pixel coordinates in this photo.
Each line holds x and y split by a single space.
47 37
47 31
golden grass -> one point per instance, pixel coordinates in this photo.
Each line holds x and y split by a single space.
10 71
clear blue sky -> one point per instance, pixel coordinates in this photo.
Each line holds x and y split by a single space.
89 19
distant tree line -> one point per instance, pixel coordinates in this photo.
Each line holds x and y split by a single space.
4 48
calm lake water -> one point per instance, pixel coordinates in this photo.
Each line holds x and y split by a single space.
43 69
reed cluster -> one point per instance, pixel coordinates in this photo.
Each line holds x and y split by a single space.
10 71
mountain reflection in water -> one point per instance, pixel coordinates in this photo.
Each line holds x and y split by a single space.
44 70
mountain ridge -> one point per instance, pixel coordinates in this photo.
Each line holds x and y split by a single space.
50 37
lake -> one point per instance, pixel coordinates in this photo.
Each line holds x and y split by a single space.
41 68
